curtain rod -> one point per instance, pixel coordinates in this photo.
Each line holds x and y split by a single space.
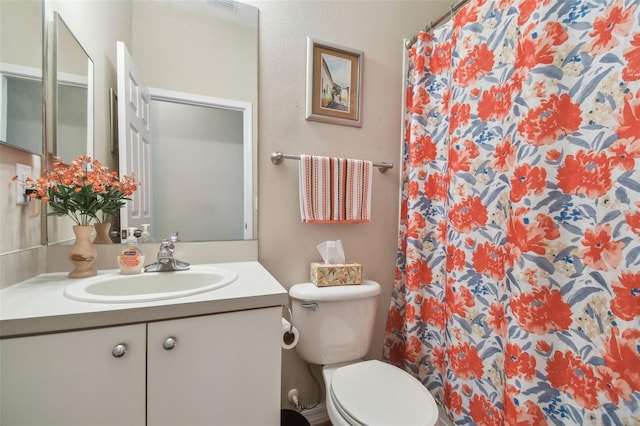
441 20
277 157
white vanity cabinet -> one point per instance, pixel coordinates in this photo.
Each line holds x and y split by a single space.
211 369
74 378
221 370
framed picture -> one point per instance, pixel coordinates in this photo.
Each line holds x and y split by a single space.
334 78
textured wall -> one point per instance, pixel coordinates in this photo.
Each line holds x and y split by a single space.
286 246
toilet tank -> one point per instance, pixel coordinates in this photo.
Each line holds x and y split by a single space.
336 323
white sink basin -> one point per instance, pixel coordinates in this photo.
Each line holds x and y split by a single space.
149 286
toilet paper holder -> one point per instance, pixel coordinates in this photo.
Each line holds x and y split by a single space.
289 336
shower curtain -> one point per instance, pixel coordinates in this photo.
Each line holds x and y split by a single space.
516 299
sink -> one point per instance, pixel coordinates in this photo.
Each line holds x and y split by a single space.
114 287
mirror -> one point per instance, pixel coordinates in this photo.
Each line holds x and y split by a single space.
69 107
21 64
207 49
208 141
73 95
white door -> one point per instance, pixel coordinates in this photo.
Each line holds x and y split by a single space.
74 378
134 139
223 370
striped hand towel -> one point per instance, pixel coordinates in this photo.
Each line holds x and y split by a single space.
335 190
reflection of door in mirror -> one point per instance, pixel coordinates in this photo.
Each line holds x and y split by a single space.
206 142
134 139
21 60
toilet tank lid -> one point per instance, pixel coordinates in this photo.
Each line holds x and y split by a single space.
311 292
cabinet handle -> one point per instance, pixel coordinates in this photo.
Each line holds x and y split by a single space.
170 343
119 350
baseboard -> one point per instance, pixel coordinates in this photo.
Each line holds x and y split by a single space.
318 415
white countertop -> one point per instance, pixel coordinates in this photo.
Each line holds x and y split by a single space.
39 305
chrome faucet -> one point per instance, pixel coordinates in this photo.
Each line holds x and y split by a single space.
166 260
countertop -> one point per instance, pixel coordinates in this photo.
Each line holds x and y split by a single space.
38 305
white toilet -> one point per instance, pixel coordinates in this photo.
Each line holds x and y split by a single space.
336 327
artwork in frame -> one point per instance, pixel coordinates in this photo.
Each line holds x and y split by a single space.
334 78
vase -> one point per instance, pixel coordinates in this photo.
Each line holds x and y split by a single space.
83 253
102 233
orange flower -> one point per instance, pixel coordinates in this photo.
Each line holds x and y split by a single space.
488 259
626 303
555 117
629 119
497 319
616 20
585 173
441 58
475 64
468 214
527 180
504 155
631 71
495 103
541 310
600 250
465 361
455 258
81 189
436 186
567 372
422 149
519 363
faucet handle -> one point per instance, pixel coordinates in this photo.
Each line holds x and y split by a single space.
175 236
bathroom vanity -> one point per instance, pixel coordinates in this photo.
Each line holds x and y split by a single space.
208 358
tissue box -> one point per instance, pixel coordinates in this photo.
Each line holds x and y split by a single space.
324 275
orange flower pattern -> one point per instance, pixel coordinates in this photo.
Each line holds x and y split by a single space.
516 296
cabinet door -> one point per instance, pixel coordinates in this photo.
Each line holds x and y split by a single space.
74 379
224 369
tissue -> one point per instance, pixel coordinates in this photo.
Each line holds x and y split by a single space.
332 252
334 270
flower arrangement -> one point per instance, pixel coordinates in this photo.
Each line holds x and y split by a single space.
82 189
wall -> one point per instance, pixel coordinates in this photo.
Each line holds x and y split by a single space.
286 246
21 255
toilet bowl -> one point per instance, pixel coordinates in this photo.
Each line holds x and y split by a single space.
335 325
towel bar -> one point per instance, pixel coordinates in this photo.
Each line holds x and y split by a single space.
277 157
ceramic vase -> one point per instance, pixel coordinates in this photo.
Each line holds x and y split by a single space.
83 253
102 233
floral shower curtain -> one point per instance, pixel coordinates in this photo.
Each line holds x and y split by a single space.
517 292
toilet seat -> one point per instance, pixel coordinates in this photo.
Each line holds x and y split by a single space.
376 393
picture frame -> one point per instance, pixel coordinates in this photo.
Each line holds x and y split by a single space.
334 80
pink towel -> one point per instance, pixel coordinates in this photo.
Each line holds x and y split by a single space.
335 190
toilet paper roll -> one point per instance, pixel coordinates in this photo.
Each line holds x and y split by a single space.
290 335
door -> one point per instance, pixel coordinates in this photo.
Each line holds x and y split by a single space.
134 141
221 369
74 378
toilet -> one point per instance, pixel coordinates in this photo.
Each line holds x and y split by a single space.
336 327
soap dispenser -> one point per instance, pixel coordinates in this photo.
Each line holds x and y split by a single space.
130 259
145 237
